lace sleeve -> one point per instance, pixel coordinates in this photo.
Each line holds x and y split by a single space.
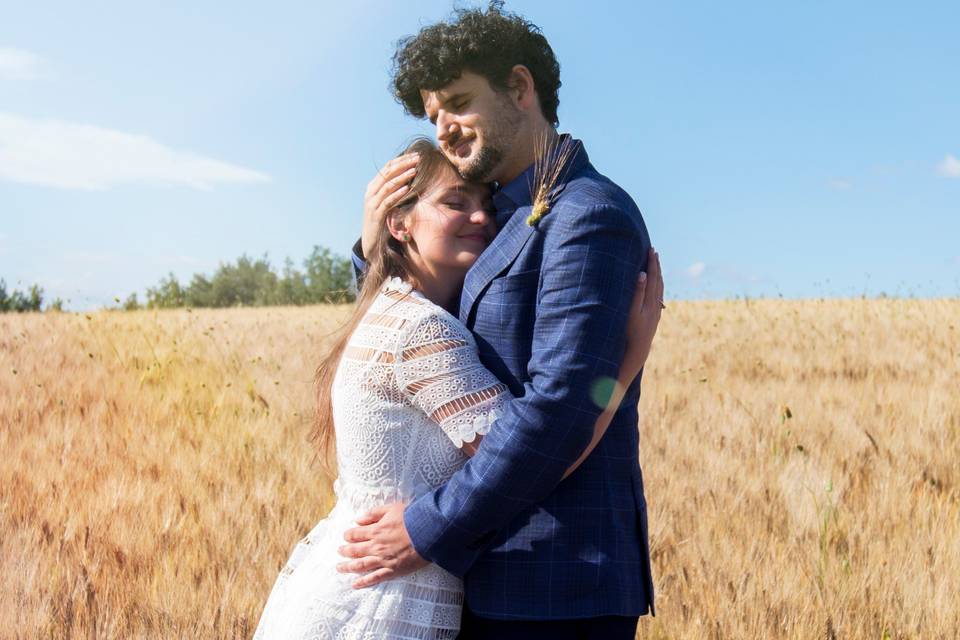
440 371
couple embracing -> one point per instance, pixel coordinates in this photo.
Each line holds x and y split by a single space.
482 399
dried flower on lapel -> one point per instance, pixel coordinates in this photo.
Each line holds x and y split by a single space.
549 169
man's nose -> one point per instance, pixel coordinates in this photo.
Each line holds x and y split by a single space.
446 127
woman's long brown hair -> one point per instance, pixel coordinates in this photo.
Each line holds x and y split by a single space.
389 260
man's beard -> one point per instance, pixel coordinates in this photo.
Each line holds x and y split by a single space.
480 168
498 143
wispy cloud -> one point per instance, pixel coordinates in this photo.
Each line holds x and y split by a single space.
950 167
696 270
839 184
67 155
18 64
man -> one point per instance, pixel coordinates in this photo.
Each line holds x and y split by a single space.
548 303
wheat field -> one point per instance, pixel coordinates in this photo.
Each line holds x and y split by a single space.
801 458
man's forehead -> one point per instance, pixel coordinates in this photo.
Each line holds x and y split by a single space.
430 99
433 98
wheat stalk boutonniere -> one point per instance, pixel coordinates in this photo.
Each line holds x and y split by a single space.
549 168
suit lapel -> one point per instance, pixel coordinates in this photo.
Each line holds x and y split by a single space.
499 255
514 235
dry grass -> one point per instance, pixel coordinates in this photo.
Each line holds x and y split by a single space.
154 471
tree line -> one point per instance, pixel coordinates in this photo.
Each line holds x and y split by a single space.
22 301
324 278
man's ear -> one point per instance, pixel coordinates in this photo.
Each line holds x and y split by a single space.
522 87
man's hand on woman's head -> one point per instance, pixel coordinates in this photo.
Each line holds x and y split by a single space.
386 189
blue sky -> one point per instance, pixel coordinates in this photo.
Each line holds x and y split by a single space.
796 149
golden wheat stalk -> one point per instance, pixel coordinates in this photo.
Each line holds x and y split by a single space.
550 167
140 485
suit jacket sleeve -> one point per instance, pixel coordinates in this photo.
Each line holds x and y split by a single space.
359 263
588 275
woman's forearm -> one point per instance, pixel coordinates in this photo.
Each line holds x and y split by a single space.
628 371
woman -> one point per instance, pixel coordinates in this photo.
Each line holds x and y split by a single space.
410 400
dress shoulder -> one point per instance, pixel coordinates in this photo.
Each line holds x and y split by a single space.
438 369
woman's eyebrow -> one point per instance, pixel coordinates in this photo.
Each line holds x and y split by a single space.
449 191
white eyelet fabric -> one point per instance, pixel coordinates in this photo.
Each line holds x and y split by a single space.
409 391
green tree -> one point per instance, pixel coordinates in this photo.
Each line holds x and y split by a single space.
247 283
329 277
131 303
19 301
325 278
199 292
167 295
292 286
35 300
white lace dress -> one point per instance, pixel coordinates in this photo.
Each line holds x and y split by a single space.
408 392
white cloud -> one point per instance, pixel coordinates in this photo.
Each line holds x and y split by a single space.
696 270
18 64
61 154
950 167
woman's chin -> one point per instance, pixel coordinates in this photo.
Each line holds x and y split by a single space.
467 258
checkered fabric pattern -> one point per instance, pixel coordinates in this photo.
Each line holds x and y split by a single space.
548 306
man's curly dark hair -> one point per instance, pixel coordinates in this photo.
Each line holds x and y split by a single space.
488 43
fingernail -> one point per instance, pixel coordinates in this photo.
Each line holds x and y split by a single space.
643 276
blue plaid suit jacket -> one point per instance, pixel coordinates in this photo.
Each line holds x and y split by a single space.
548 306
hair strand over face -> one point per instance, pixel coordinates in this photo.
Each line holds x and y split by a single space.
388 260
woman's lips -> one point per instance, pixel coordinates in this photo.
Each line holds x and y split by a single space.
476 237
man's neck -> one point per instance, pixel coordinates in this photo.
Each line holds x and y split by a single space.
525 152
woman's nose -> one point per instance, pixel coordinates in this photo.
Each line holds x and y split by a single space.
480 216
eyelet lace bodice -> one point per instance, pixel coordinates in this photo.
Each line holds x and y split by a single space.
408 392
